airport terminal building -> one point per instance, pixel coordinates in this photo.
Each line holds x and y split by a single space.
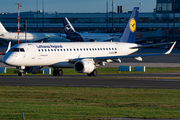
162 23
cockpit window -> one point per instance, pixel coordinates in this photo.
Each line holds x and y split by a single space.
14 50
22 50
17 50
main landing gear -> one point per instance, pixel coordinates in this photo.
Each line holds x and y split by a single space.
57 72
93 73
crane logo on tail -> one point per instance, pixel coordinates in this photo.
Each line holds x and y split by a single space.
68 28
132 25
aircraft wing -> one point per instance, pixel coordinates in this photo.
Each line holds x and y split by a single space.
124 56
42 40
146 46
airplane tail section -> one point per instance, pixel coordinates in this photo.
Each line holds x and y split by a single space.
129 34
70 31
2 29
68 28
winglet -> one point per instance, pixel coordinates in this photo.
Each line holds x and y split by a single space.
169 51
9 47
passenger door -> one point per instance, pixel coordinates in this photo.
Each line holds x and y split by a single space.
33 51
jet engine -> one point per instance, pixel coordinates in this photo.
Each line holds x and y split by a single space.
33 69
84 66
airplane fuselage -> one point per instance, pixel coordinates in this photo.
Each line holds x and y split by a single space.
31 37
59 55
99 36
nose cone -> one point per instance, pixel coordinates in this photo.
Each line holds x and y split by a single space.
7 60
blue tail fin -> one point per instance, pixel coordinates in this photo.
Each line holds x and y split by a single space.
68 28
129 34
70 31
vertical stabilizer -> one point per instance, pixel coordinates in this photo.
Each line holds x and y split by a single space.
70 31
129 34
68 28
2 29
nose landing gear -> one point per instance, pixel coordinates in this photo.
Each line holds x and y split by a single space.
21 73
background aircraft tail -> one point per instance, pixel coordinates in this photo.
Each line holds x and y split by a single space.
2 29
70 31
129 34
68 28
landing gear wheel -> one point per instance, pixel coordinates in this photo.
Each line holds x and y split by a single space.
89 74
60 73
20 74
94 73
55 72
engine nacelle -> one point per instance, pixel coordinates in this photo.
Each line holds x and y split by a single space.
33 69
84 66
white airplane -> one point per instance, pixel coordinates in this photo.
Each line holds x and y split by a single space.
30 37
85 37
84 57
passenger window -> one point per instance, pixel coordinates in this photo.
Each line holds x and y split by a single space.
74 49
115 48
81 49
100 48
67 50
84 49
39 50
42 50
45 50
109 48
48 49
70 49
77 49
103 48
61 49
87 49
112 48
95 49
64 49
106 48
58 49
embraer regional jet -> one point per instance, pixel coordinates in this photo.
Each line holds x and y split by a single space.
84 57
86 37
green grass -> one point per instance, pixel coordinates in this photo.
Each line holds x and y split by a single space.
107 71
87 103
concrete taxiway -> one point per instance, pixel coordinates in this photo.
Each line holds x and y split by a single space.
114 80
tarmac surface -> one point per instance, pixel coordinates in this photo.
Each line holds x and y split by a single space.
114 80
